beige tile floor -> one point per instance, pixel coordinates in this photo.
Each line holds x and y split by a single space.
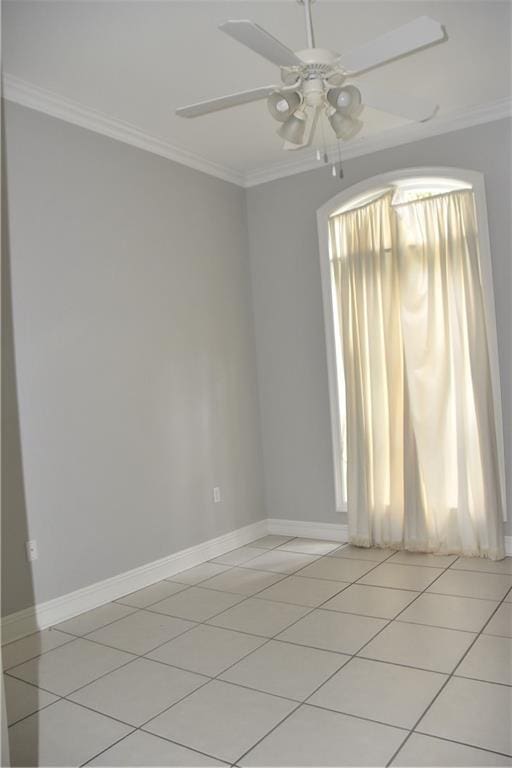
286 652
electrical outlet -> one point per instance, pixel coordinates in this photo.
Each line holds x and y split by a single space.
31 551
216 495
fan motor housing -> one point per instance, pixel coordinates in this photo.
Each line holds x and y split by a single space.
317 56
320 66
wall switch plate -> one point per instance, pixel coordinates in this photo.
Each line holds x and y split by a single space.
31 551
216 495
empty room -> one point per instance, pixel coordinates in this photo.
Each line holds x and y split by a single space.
256 383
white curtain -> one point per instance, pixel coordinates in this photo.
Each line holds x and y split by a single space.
422 451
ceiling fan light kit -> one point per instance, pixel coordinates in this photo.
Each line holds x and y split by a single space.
294 128
344 127
282 105
314 80
346 100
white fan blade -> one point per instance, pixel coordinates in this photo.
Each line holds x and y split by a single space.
311 122
260 41
406 39
397 103
224 102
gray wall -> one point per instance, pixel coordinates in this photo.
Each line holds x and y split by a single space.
135 365
288 312
129 382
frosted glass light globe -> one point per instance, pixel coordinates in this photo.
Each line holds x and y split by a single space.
347 99
344 99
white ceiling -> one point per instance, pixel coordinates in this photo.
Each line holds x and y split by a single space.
136 61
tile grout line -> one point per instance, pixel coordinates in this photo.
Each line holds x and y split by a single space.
480 680
114 621
463 743
246 597
304 701
72 636
142 656
247 687
163 738
389 622
256 596
31 658
300 703
355 655
316 558
438 626
134 658
142 726
204 623
117 601
449 678
265 642
223 671
402 728
36 711
348 657
230 568
118 741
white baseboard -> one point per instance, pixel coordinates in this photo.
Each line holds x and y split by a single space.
52 612
328 531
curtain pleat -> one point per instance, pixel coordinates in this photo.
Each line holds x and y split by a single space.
422 449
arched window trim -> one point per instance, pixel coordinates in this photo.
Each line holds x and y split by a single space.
367 188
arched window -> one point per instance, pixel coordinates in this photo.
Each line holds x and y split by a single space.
397 202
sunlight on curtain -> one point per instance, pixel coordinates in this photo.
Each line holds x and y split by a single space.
366 278
422 467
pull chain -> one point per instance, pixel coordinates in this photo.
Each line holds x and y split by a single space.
325 155
339 159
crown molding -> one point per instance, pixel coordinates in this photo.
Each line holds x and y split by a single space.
32 96
29 95
452 121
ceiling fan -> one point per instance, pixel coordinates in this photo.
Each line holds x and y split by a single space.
314 80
